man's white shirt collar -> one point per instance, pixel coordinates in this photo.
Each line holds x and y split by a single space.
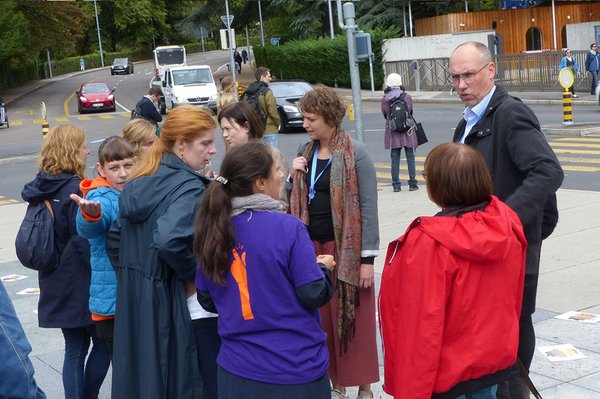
474 114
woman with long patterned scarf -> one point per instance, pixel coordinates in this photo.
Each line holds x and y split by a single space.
334 192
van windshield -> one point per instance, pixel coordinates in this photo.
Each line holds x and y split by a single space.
192 76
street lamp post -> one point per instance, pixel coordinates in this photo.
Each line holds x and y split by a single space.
99 37
262 33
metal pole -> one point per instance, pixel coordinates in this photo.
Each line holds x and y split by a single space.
49 63
410 18
262 34
554 24
371 73
232 66
248 46
350 26
466 6
202 36
331 33
99 37
404 19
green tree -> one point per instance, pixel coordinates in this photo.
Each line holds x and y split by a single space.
14 31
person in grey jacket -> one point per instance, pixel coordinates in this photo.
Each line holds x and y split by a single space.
592 65
334 192
524 169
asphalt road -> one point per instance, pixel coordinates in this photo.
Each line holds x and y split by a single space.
21 142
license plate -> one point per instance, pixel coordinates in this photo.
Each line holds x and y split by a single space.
98 105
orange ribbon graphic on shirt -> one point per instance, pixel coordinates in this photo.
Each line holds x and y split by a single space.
238 270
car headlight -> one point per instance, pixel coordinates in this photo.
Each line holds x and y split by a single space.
112 67
290 108
181 100
82 99
214 97
110 97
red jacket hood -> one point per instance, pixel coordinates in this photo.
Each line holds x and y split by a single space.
88 185
477 236
450 300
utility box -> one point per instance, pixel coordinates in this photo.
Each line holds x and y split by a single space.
363 45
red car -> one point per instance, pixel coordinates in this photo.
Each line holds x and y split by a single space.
95 97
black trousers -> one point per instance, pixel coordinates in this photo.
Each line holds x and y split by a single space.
514 387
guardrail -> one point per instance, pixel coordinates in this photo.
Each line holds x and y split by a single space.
520 72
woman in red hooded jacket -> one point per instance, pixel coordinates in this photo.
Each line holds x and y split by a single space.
452 285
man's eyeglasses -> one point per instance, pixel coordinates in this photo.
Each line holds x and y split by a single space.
466 77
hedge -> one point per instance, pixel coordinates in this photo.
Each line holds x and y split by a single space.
322 60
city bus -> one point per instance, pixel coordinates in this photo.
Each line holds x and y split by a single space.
168 56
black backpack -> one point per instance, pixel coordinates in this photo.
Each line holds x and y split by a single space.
253 100
35 239
136 112
400 119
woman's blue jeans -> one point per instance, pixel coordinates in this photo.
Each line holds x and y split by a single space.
485 393
81 379
410 160
16 370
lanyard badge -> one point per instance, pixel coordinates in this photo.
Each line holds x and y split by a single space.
313 172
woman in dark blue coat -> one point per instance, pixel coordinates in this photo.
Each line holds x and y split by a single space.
64 292
150 246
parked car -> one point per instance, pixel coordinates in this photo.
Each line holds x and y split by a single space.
287 94
95 97
121 65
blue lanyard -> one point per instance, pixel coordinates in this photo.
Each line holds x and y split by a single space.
313 172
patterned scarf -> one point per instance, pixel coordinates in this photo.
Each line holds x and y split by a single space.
345 210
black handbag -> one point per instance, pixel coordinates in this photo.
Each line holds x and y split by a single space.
421 136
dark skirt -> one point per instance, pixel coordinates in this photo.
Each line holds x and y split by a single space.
233 387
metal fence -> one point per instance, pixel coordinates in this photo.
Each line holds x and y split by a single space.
517 72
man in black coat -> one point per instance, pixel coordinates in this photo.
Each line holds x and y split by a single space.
524 169
147 106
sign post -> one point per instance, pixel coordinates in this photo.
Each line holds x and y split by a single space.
228 20
566 78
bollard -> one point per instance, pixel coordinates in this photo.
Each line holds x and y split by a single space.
45 127
567 108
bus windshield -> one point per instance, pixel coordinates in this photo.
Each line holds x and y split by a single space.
170 56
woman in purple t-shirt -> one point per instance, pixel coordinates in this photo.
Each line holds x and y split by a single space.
259 271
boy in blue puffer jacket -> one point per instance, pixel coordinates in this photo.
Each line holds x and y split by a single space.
98 208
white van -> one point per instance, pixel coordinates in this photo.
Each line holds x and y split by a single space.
193 85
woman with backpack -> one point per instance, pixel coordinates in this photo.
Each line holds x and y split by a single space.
395 97
64 291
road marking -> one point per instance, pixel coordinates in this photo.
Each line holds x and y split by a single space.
569 151
9 201
62 119
580 168
106 116
66 105
96 141
389 165
579 160
84 118
16 123
591 139
38 121
403 176
581 145
124 108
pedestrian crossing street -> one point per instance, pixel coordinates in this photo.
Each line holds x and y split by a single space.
576 154
65 119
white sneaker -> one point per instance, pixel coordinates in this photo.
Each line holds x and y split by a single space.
336 394
364 395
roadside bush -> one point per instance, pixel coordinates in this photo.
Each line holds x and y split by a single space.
322 60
